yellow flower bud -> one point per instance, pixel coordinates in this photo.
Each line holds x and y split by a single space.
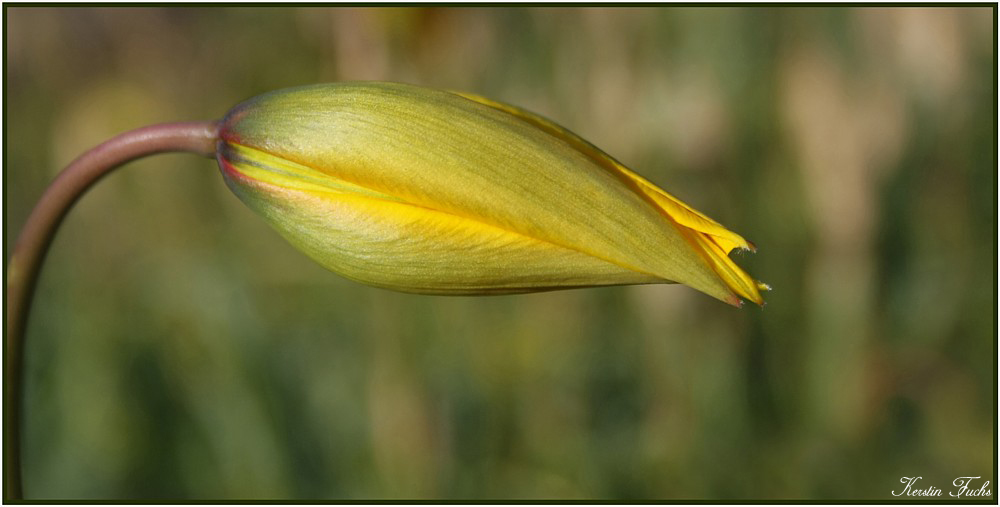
429 191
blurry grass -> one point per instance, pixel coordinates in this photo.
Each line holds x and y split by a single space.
179 348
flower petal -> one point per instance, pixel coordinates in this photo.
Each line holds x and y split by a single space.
708 235
387 243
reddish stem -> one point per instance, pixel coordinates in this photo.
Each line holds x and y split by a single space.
33 243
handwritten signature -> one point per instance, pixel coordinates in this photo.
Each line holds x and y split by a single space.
964 487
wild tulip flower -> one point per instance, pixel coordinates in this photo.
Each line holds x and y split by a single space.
410 189
429 191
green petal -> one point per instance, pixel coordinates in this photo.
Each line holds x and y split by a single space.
707 236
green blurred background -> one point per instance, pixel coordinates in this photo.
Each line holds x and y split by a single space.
179 348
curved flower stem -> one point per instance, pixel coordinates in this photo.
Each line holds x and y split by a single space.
32 245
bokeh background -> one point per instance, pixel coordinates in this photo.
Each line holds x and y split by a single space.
179 348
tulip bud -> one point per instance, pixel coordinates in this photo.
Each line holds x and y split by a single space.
429 191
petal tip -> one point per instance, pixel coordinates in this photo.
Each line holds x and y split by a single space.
734 300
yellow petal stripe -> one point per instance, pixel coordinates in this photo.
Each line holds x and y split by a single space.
387 243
